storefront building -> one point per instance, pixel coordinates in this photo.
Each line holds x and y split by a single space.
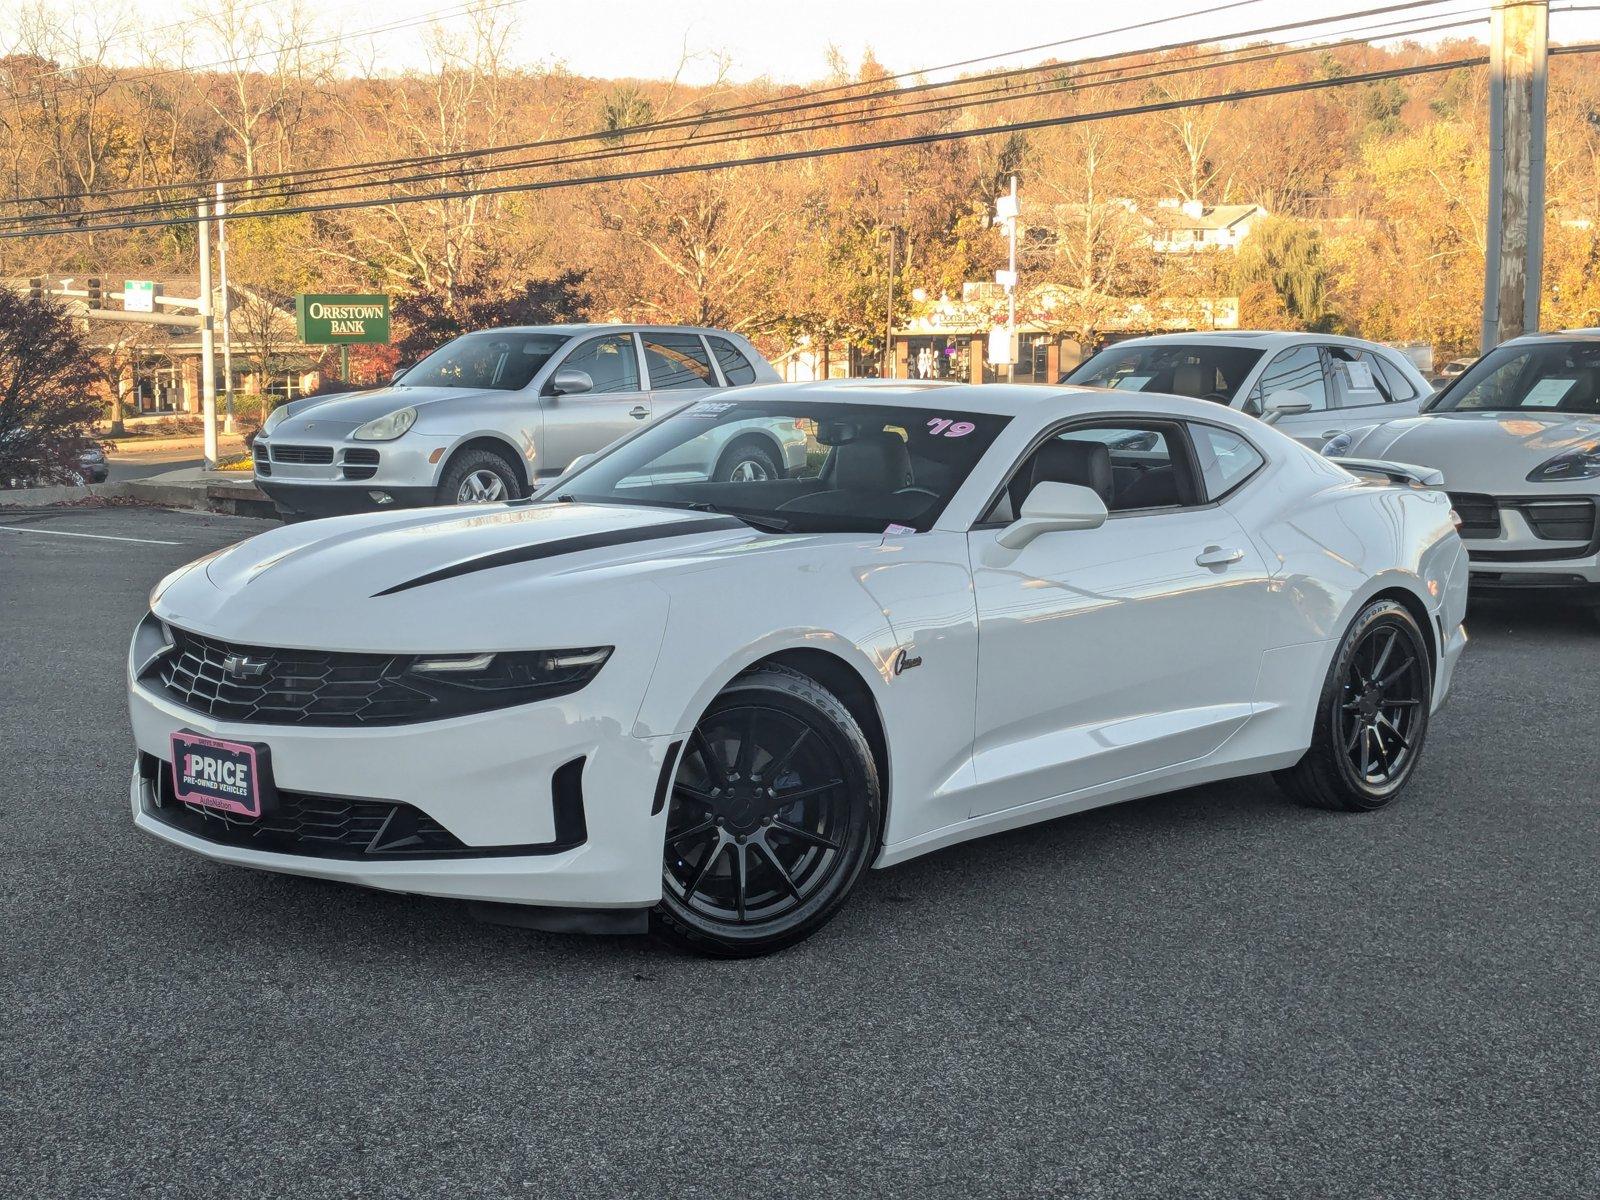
948 339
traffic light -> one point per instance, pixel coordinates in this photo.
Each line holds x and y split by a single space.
35 288
97 297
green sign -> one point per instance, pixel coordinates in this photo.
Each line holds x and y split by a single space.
341 320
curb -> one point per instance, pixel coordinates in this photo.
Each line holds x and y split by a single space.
63 494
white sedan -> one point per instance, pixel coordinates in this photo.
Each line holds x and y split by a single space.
1517 439
1310 385
708 707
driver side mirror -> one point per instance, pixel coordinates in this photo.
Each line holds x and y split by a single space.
1052 508
569 381
1285 404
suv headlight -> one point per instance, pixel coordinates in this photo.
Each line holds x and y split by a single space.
508 677
1339 444
387 428
1583 463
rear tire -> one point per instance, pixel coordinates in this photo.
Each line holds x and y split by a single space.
478 477
772 818
1372 716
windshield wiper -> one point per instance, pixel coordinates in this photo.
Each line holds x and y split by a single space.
765 524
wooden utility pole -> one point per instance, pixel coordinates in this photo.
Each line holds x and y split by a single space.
1514 262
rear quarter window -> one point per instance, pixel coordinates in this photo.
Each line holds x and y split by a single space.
736 368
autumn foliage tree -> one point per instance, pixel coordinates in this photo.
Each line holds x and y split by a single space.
46 408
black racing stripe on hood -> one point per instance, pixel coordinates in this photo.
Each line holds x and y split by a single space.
571 545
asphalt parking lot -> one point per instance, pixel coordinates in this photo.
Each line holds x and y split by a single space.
1213 993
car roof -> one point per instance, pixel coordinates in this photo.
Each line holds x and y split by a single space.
1558 335
998 399
1255 339
607 327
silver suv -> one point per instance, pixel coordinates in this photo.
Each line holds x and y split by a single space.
494 414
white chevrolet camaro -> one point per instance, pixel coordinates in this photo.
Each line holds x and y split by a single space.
1517 438
708 707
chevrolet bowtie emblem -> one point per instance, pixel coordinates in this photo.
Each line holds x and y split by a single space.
237 666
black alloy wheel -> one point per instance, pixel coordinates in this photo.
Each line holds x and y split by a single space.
1372 718
773 815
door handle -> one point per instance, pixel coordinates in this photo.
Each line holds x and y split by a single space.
1217 556
639 411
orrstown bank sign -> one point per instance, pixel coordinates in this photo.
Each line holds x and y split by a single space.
335 320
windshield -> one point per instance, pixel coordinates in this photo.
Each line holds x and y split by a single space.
796 466
492 359
1554 376
1198 369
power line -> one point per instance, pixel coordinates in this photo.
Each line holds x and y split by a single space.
774 106
826 151
970 99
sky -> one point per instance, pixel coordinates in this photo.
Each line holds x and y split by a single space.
789 42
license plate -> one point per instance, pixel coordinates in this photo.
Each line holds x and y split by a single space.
231 777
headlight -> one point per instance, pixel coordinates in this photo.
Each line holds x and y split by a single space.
386 429
509 677
274 418
1338 445
1583 463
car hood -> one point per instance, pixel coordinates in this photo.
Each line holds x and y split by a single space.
431 579
1481 451
338 416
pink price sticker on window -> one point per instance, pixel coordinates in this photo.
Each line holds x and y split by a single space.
949 427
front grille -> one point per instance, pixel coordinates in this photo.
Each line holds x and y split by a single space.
1560 520
360 462
309 455
289 687
1480 515
339 827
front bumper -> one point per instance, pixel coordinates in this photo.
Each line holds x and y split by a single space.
486 779
331 476
340 499
1518 543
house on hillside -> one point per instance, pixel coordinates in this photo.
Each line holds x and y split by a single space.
1188 226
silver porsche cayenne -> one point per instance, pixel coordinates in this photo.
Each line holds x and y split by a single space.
496 413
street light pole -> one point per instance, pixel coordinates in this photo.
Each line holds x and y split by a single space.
208 348
1011 288
227 332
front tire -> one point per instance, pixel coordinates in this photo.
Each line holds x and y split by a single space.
747 461
478 477
1372 717
772 818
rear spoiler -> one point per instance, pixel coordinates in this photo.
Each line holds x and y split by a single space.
1407 474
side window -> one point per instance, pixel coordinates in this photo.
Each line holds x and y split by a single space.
736 368
1296 370
1400 387
1131 468
611 362
1359 377
1226 459
677 360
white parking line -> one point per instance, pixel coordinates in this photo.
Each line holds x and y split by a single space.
103 537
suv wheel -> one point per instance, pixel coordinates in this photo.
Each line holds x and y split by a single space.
748 461
478 477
